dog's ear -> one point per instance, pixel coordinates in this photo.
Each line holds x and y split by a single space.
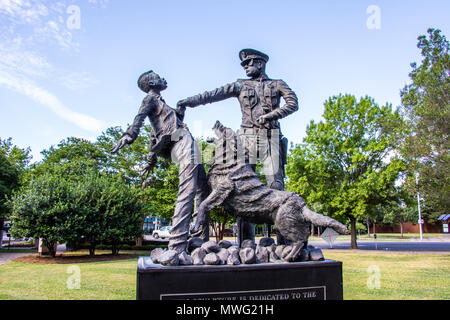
217 125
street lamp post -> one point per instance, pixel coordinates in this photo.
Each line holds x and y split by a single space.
418 206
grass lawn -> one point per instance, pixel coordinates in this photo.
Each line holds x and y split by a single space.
111 280
402 276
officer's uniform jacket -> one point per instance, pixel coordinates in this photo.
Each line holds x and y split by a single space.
257 97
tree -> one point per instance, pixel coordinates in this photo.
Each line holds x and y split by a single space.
158 194
92 206
397 209
131 160
219 219
426 103
40 209
347 162
105 209
9 180
89 210
13 163
161 189
71 151
20 158
123 217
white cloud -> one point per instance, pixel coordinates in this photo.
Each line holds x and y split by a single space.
56 32
102 3
15 61
76 81
39 20
23 10
25 26
42 96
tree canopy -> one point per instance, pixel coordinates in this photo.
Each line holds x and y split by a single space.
14 162
91 206
347 162
9 180
426 104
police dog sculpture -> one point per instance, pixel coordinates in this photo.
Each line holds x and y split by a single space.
235 185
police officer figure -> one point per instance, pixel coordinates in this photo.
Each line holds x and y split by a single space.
260 133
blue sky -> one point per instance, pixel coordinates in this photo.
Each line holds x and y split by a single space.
67 74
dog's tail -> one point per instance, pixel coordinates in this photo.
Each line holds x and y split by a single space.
318 219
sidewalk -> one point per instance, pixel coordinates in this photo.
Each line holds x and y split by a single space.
6 257
443 238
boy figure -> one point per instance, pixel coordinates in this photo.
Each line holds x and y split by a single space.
170 139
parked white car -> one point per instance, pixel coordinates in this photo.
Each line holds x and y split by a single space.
162 233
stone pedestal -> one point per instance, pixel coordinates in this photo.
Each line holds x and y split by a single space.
314 280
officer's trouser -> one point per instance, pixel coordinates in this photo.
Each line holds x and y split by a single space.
263 145
192 185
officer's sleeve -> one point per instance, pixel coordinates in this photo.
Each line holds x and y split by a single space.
219 94
289 97
144 110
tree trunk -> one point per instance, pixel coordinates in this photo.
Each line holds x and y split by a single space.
92 250
222 231
115 249
1 232
368 228
353 244
51 247
312 230
401 228
139 241
217 231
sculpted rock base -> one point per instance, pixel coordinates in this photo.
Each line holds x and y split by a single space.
224 253
169 258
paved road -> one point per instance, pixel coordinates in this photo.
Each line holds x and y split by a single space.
150 238
388 246
7 257
426 245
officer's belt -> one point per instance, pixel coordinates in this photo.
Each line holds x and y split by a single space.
256 131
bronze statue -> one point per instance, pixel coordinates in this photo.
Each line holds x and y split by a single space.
260 133
171 139
236 186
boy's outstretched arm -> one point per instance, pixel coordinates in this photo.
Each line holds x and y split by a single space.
126 139
133 131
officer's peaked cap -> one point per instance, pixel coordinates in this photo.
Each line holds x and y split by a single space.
248 54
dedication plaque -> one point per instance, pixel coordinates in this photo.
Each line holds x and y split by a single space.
312 280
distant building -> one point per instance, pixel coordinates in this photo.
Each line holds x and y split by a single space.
406 227
5 231
154 223
445 220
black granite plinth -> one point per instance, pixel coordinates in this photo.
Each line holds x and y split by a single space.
312 280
